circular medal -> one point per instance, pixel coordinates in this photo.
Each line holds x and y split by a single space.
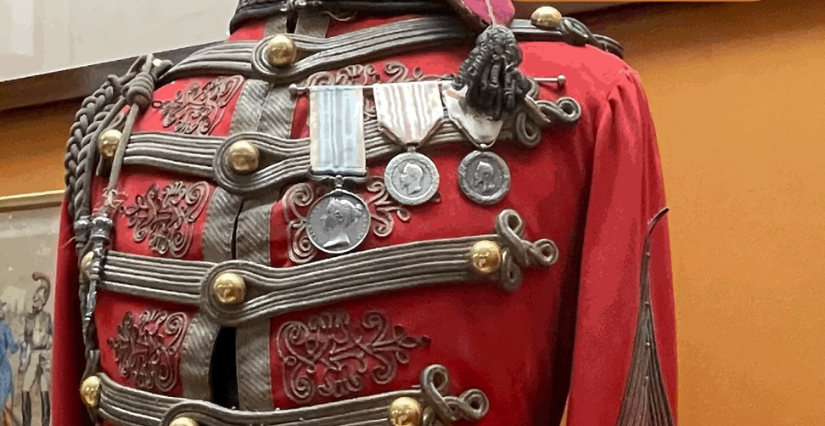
484 177
338 222
411 178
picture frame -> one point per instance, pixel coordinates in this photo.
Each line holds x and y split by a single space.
28 254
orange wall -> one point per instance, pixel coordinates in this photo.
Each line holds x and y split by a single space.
32 143
736 91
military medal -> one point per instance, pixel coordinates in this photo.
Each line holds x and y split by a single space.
409 113
340 220
411 178
482 175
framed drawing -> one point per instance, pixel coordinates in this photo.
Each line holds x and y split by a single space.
28 252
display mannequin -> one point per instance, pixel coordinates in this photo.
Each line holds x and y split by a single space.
368 213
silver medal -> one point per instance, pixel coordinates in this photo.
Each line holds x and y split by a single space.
338 222
484 177
411 178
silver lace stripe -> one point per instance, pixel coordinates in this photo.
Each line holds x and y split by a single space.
123 406
276 291
246 58
202 156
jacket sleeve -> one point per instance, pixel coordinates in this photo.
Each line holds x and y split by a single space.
67 358
624 352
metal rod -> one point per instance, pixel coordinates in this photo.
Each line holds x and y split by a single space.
296 90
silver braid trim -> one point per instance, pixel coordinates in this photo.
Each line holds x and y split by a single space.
246 58
286 160
123 406
276 291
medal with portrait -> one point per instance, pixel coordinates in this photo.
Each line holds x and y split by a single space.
340 220
409 113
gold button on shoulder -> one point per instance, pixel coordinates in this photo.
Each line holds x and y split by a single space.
86 265
229 288
107 143
405 411
243 156
90 391
546 18
486 257
281 51
183 421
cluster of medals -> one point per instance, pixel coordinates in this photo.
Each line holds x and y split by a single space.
409 113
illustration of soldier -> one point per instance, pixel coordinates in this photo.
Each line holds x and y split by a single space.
35 358
7 345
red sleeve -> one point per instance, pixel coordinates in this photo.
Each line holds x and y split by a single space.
67 359
624 353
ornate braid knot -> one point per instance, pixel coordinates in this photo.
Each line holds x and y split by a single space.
520 252
442 409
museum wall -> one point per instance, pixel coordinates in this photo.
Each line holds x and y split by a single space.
736 91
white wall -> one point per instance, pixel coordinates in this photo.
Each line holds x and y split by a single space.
39 36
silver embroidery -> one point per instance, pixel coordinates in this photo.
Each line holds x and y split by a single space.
147 350
384 208
329 357
167 217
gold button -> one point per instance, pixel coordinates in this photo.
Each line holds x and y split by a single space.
107 143
90 391
183 421
546 18
405 412
486 257
229 288
281 51
243 157
86 265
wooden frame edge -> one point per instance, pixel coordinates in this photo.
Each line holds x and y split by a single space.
31 201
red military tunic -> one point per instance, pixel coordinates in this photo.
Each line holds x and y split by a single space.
596 327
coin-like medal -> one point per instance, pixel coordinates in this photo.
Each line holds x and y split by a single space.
338 222
411 178
484 177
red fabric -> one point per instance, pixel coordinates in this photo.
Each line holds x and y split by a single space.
626 192
67 357
592 189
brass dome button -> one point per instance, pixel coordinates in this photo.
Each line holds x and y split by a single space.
486 257
546 18
90 391
107 143
280 51
243 157
183 421
86 265
405 411
229 288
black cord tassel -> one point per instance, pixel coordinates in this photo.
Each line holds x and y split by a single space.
495 86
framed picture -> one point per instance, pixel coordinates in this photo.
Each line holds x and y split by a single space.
28 253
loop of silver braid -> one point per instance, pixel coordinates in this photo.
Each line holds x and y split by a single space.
135 90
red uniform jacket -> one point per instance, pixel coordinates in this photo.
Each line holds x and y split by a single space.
595 332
